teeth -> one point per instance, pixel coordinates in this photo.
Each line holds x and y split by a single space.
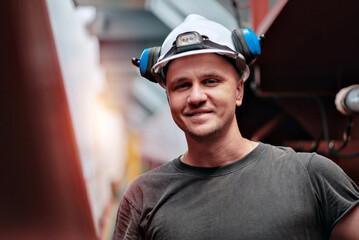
197 113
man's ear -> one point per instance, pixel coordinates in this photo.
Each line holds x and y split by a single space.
168 99
240 92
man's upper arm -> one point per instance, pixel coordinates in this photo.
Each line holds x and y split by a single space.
348 227
337 193
127 222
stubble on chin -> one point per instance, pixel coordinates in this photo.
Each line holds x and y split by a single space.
203 137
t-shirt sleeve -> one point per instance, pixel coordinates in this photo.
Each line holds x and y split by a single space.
127 221
337 194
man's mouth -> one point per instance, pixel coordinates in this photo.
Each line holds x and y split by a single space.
197 113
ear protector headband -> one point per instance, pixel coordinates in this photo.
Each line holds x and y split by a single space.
245 41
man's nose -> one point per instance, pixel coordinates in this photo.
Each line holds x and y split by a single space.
197 95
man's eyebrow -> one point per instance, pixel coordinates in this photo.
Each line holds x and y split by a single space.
210 74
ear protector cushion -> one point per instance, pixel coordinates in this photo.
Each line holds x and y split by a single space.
247 43
241 45
148 59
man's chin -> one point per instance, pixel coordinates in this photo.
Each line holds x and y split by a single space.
203 136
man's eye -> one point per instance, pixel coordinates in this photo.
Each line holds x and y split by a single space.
183 85
210 81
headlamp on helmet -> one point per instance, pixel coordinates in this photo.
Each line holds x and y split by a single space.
188 39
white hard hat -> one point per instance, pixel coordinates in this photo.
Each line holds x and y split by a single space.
217 39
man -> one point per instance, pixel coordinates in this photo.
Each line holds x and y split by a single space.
226 186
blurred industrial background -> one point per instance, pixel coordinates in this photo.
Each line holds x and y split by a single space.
78 123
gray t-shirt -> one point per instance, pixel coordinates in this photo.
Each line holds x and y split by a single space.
272 193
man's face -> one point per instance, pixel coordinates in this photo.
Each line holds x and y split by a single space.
203 91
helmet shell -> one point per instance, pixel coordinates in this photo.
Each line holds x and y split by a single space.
214 31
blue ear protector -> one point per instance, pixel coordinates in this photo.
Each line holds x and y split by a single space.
147 60
245 41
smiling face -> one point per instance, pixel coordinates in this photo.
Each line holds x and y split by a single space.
203 91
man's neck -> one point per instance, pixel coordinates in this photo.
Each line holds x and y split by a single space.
217 153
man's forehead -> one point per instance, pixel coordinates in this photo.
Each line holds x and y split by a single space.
190 62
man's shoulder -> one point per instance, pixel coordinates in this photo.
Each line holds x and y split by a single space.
153 177
312 161
163 169
150 186
285 153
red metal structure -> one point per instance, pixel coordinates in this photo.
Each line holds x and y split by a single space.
43 194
